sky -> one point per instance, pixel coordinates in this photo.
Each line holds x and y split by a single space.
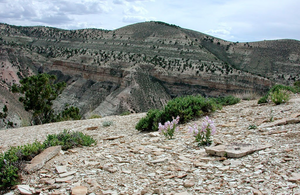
231 20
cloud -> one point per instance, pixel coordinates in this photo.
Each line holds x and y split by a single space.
135 19
135 10
223 33
56 19
11 9
78 8
119 2
247 20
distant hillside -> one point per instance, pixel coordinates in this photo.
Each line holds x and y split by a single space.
142 66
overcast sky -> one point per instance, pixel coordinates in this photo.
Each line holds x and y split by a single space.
233 20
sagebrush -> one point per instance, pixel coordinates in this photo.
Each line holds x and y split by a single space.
12 161
186 108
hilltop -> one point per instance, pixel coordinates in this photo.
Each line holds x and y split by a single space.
126 161
140 66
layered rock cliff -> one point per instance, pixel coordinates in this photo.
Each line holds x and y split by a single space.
142 66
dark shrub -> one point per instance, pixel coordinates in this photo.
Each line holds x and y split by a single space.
186 108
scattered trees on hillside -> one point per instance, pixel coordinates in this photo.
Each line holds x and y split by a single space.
39 92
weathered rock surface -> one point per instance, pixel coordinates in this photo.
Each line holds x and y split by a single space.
38 161
25 189
145 163
235 150
79 190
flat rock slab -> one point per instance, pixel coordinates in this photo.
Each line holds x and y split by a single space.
79 190
67 174
295 115
61 169
232 124
235 150
25 189
295 178
161 160
65 179
114 137
38 161
91 128
283 121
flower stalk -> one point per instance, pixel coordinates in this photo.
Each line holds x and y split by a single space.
203 135
169 128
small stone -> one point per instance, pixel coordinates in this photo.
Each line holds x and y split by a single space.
154 134
224 168
229 125
126 171
151 174
109 167
114 137
182 193
200 164
256 192
157 191
295 177
61 169
79 190
25 189
188 183
10 193
182 176
91 128
159 160
295 115
112 170
72 151
144 191
109 192
65 179
49 181
67 174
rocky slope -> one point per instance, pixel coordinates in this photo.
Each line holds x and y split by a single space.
126 161
142 66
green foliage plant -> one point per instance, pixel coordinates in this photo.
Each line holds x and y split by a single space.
263 99
227 100
146 123
252 127
280 96
68 139
12 161
95 116
107 123
186 108
125 113
69 113
39 92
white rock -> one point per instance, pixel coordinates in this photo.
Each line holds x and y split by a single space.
25 189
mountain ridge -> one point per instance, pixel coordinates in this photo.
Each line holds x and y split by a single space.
142 66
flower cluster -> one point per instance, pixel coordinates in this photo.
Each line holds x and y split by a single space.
169 128
203 135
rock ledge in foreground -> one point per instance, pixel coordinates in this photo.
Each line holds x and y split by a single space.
38 161
235 150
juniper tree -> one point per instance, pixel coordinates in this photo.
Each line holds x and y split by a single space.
39 92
